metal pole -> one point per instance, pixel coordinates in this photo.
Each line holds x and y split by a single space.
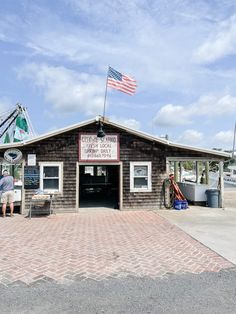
7 118
26 115
8 126
104 107
234 141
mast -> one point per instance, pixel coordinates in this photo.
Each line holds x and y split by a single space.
9 124
234 141
8 121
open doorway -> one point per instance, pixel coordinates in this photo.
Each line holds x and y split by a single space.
99 186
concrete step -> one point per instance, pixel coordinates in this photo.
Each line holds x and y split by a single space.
230 204
230 198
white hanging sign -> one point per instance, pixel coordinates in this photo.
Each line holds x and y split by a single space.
93 148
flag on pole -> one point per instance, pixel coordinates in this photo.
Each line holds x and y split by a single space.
7 138
121 82
21 129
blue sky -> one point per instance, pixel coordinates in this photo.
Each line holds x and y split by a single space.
55 55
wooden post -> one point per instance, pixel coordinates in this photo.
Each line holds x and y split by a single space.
77 188
176 176
221 183
207 171
22 207
121 186
197 171
180 172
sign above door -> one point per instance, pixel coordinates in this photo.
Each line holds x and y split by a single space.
93 148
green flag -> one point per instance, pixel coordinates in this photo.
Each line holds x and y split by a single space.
21 129
7 138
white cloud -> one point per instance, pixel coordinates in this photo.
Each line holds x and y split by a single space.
130 123
150 40
96 37
215 105
191 137
66 89
170 115
224 138
207 106
219 44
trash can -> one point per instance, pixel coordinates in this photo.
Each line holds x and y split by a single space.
213 198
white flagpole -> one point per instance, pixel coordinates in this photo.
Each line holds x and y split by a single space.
104 106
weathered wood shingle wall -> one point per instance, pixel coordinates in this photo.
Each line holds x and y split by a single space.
64 148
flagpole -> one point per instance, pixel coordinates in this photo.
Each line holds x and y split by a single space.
104 106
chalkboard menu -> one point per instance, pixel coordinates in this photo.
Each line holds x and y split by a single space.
31 177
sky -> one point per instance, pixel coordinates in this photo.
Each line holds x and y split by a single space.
54 58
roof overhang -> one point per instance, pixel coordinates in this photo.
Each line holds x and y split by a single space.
119 126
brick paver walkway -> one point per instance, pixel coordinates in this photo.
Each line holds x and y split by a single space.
98 245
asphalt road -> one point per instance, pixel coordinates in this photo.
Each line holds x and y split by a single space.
210 293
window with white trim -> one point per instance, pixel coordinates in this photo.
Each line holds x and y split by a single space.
140 176
51 177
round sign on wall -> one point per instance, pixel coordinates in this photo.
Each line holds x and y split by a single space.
13 155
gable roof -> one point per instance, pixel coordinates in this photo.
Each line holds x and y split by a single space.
116 125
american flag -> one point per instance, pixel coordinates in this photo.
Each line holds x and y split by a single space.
121 82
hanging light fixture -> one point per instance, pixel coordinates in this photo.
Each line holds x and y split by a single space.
100 132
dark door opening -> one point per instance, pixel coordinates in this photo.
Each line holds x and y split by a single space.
99 186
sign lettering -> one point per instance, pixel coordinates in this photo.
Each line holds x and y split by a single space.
93 148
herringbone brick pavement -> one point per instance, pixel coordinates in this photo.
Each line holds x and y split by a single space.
98 245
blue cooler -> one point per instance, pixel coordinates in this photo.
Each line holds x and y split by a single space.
177 204
184 204
180 204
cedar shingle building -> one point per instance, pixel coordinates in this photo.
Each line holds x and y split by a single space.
123 170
